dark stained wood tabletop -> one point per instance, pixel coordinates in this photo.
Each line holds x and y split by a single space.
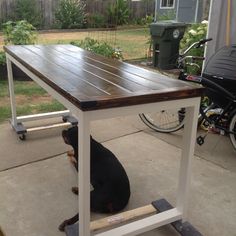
93 82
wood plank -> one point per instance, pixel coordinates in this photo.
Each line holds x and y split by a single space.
52 74
45 127
94 82
108 68
75 75
78 61
99 78
122 66
72 230
122 217
142 98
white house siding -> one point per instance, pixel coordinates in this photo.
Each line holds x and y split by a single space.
218 26
188 11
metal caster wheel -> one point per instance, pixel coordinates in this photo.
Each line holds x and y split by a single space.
64 119
200 140
22 137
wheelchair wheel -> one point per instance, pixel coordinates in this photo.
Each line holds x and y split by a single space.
166 121
232 128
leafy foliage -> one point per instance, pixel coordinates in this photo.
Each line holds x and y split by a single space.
193 34
19 33
101 48
71 14
118 13
145 21
2 58
27 10
168 15
96 21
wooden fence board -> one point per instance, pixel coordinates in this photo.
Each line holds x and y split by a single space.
48 8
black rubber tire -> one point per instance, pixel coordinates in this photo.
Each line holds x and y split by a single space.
166 121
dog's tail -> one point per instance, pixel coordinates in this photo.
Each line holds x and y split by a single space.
1 232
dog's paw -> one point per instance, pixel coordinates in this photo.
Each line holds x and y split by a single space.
71 157
63 225
71 153
75 190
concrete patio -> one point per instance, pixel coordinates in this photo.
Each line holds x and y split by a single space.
36 177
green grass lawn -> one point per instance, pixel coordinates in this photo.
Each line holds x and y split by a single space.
132 42
31 99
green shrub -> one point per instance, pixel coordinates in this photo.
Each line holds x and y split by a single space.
96 21
147 20
19 33
27 10
101 48
2 58
71 14
169 15
118 13
193 34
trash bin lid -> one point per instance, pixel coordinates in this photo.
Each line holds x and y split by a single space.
158 28
222 64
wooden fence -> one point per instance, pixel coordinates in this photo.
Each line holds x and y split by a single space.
138 9
46 7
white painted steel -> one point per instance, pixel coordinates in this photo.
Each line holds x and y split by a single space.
41 83
43 116
148 223
51 91
142 108
188 143
84 174
12 93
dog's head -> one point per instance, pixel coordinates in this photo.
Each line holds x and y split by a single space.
70 137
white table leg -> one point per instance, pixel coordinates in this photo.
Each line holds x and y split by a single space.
189 140
84 175
11 91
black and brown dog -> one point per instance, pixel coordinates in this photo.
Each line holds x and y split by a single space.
111 188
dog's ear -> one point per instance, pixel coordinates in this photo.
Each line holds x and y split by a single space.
65 137
72 136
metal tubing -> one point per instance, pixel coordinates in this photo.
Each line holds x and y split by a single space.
42 116
12 93
84 174
188 144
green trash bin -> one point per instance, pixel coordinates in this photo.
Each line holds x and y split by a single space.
166 36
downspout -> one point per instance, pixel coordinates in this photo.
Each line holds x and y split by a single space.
155 18
177 11
196 11
228 21
207 36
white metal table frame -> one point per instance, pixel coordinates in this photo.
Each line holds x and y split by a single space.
85 117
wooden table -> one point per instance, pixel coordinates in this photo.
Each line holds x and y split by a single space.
92 87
